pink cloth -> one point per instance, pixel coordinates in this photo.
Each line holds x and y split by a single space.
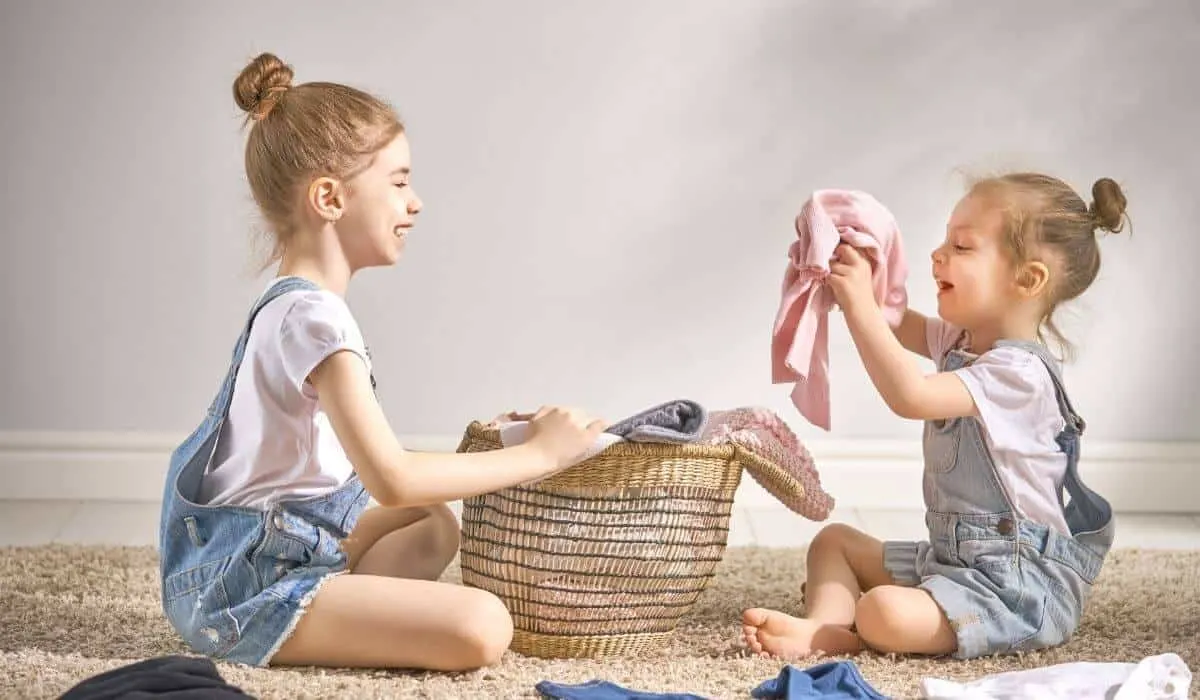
800 343
766 434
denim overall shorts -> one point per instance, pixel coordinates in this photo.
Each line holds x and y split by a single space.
1005 584
235 580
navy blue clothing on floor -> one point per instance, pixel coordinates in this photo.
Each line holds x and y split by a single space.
174 677
833 680
604 690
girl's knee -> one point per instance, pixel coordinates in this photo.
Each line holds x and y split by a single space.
897 619
486 630
876 618
448 534
438 541
834 536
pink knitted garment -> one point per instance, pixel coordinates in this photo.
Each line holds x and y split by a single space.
764 433
800 339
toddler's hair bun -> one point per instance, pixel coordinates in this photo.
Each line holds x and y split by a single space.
1108 205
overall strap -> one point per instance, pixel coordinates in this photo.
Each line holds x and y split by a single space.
1073 419
220 405
1089 515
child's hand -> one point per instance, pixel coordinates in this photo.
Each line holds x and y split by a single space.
564 433
850 278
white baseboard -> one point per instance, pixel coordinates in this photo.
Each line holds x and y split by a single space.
875 474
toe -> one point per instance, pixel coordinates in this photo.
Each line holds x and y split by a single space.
750 635
755 617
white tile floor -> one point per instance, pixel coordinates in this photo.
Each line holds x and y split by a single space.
24 523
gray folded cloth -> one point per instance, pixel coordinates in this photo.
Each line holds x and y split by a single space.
677 421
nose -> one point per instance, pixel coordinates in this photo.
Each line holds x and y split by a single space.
938 255
415 204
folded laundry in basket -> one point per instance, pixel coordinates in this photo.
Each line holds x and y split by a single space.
678 421
515 432
764 433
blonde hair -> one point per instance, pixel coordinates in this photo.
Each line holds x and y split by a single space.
1044 213
302 132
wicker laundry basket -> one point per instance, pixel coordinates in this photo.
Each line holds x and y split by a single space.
606 557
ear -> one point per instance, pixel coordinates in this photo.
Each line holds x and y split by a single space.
1033 279
327 198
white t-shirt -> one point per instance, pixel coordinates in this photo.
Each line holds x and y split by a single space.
277 442
1020 419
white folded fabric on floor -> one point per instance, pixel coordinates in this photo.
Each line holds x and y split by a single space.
1161 677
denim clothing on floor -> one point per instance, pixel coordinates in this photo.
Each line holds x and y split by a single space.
833 680
604 690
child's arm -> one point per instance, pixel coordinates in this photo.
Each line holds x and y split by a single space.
396 477
911 333
908 392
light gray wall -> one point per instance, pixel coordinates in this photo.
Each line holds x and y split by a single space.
609 192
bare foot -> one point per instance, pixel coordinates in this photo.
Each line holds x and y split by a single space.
772 633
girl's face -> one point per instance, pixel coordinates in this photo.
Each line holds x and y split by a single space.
973 268
381 207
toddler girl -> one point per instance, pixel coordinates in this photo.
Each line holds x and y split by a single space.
1006 567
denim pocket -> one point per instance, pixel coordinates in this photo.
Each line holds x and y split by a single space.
276 555
940 444
1028 627
197 606
290 542
981 546
1063 612
1046 611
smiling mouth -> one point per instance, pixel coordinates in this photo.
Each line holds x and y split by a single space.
399 231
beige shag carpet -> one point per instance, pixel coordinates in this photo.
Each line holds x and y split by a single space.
70 612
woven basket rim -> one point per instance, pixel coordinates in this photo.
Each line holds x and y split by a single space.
580 638
477 430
